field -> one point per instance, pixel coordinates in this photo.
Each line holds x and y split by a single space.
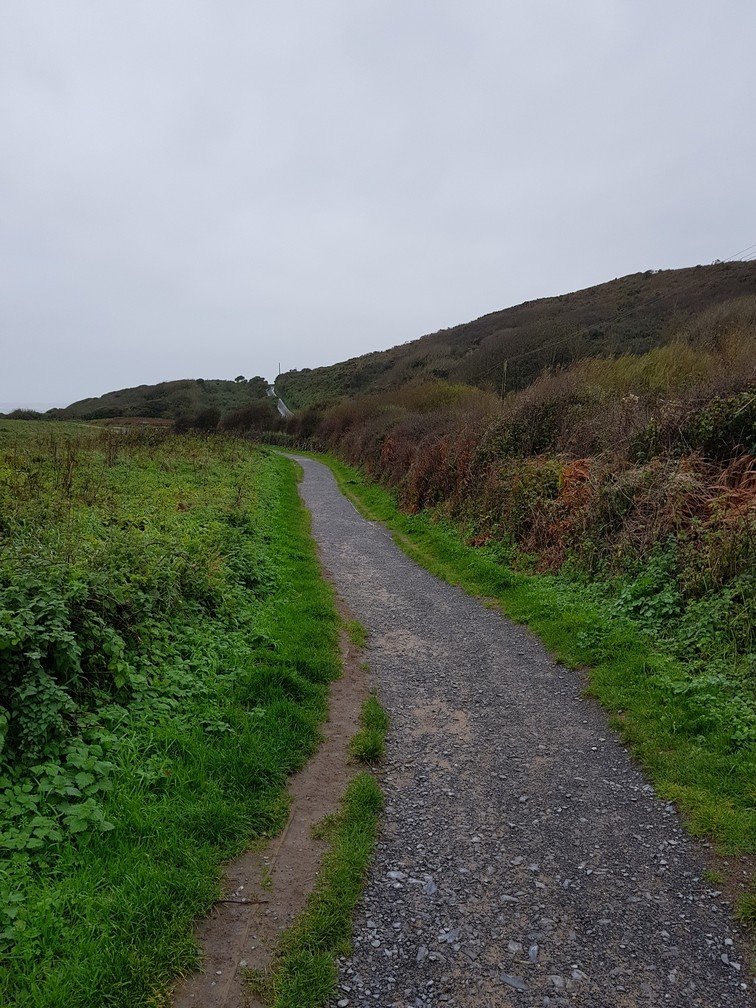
166 644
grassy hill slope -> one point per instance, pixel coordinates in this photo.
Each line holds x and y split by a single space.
166 400
629 315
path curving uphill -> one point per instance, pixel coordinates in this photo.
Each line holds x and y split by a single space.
523 859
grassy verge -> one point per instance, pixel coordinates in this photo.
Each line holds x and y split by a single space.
304 971
175 756
692 758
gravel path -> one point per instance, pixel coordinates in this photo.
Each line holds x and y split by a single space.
523 859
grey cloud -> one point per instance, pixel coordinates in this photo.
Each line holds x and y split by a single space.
202 188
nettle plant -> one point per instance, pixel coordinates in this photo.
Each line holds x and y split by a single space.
80 610
51 778
55 799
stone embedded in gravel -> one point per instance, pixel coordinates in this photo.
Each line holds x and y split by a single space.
512 981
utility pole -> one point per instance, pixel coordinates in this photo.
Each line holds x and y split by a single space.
503 378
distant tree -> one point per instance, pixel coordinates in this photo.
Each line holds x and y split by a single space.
22 414
240 378
257 386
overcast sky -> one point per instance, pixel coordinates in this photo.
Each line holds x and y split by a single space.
208 187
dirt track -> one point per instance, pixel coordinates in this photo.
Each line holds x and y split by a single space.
523 858
266 888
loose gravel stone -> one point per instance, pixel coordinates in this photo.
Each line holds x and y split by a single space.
511 981
506 789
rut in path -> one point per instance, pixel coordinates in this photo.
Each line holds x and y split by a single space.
523 858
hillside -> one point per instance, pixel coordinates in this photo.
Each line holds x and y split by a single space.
167 400
629 315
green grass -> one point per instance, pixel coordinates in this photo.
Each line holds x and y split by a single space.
369 744
691 758
746 910
223 672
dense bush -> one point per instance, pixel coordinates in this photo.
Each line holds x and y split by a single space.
252 419
601 461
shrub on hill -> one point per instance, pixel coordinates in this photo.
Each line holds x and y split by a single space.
253 419
508 349
168 400
22 414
